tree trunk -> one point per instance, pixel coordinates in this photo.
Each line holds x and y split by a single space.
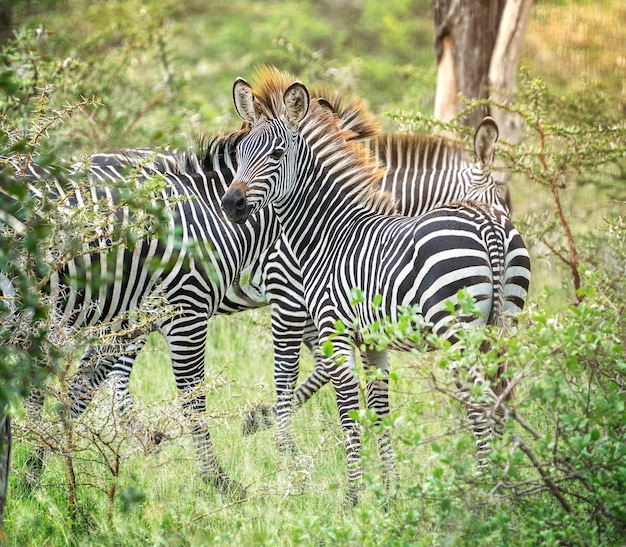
477 44
6 20
503 67
466 31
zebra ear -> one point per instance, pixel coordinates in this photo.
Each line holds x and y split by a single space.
325 103
485 142
243 97
296 100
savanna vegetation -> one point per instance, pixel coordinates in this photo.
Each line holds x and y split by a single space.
80 77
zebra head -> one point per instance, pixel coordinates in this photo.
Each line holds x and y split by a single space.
267 156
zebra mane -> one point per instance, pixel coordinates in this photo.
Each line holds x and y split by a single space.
216 149
184 162
334 145
417 150
353 113
213 155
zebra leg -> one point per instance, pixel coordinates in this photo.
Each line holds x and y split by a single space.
94 367
288 324
484 417
319 377
119 378
186 339
378 400
34 463
287 336
341 371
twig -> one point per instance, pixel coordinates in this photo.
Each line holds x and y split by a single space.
544 475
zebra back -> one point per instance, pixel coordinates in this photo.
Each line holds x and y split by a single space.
424 172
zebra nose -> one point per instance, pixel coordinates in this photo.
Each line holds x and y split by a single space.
234 205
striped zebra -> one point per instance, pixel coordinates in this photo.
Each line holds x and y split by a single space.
422 172
345 235
246 292
190 268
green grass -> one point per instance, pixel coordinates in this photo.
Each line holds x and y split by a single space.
283 495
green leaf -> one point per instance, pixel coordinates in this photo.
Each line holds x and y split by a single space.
328 348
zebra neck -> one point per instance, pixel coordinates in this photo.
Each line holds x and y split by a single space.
207 186
320 215
203 221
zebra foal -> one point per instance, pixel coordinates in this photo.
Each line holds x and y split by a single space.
325 190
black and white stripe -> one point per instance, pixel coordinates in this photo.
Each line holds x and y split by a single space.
422 172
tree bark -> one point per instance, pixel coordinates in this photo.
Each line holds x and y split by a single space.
467 31
6 20
503 66
477 45
447 96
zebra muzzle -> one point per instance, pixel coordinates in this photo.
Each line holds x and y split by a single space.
234 203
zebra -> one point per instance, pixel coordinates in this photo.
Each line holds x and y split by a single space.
422 172
191 267
324 189
245 293
187 174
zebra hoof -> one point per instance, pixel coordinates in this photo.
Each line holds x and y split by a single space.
258 419
352 496
231 490
289 448
158 437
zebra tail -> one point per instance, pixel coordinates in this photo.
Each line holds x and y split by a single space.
501 383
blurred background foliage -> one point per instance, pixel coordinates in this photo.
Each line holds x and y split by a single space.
176 61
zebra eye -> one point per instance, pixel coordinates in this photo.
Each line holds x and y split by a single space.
277 153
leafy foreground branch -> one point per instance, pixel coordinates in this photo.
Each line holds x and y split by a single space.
559 472
40 235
